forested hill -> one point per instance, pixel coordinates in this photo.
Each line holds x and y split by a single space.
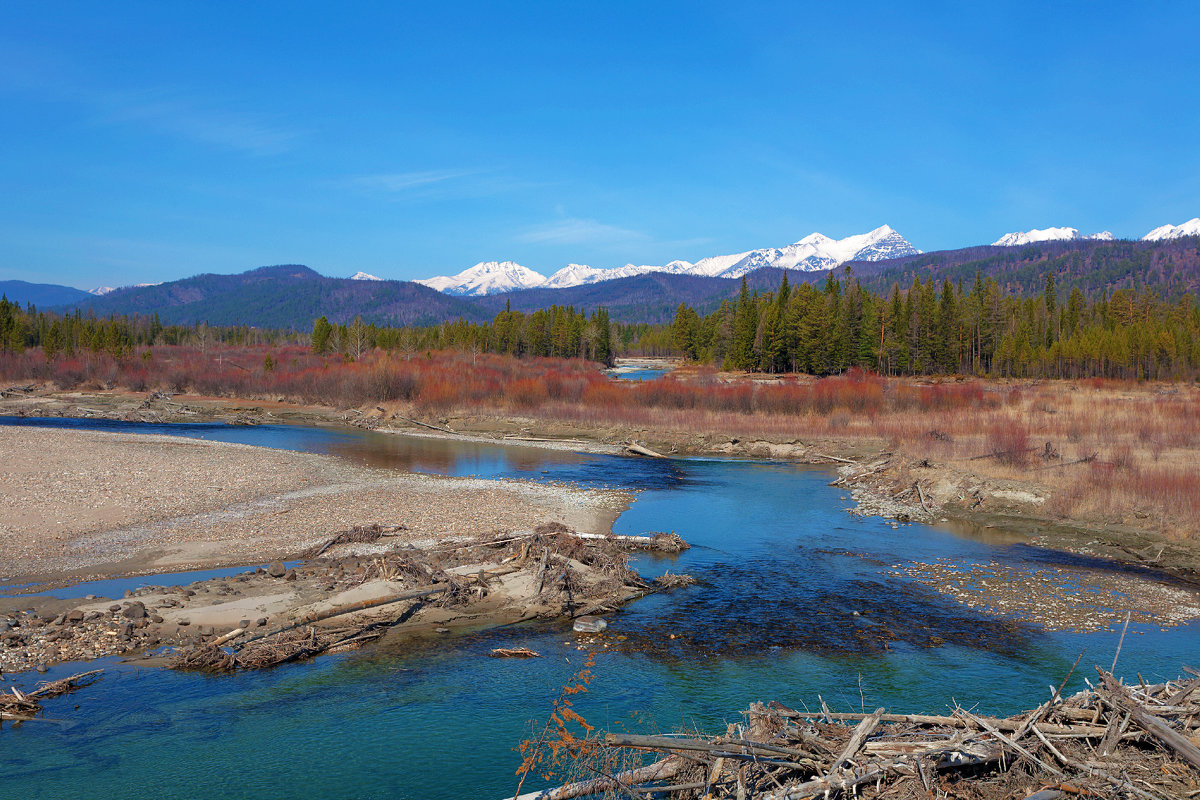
1171 268
284 297
42 295
291 297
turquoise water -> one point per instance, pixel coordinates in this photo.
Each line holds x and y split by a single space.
783 570
640 374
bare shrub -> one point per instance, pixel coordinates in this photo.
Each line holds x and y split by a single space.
1008 441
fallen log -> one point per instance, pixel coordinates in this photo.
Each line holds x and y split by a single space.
857 739
725 749
637 449
659 770
1007 725
350 608
835 458
425 425
514 652
1119 697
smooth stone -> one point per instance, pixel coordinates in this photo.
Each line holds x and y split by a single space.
276 570
587 624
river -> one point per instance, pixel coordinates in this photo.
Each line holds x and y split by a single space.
798 599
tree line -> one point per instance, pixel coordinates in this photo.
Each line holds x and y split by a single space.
945 329
927 328
117 335
558 331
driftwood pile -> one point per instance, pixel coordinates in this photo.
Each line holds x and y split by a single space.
18 706
555 556
358 534
1110 741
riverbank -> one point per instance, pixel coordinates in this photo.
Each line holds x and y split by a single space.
1092 469
85 505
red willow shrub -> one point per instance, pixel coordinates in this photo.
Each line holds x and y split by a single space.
441 381
1008 440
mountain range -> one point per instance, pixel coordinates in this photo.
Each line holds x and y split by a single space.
815 252
1167 260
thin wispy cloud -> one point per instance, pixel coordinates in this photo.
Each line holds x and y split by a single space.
580 231
186 119
404 181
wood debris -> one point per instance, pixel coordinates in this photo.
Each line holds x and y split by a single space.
1111 740
514 652
18 706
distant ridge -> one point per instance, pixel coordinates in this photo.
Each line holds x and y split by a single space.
285 296
42 295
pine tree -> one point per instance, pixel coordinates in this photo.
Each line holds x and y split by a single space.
321 333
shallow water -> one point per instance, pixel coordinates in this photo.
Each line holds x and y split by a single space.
783 571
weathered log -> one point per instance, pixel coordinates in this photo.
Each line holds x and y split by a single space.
726 749
953 756
992 729
1095 731
349 609
857 740
659 770
425 425
1120 697
233 634
637 449
835 458
514 652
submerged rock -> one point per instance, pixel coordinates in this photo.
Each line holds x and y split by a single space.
587 624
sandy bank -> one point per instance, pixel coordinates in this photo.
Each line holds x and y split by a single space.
76 502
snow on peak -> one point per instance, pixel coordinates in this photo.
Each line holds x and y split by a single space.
1189 228
364 276
1048 235
487 277
814 252
100 291
573 275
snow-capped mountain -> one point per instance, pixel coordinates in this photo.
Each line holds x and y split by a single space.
364 276
813 252
487 277
1048 235
1189 228
100 291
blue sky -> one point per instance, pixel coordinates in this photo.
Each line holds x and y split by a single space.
147 142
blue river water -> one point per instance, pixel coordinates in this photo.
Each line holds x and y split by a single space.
797 601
